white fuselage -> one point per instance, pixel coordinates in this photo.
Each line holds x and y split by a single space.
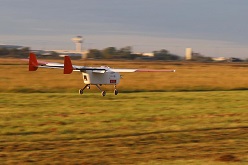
106 78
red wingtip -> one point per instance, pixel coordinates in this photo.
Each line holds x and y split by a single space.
67 65
33 64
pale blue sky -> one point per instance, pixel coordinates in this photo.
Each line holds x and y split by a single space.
210 27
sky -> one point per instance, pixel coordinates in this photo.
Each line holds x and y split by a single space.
215 28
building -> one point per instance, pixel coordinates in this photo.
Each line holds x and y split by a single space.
188 53
219 59
78 52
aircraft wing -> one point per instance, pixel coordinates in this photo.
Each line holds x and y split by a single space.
34 64
140 70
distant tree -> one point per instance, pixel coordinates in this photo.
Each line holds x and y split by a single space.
124 52
14 52
18 53
133 56
109 52
165 55
24 52
54 54
94 53
200 58
4 51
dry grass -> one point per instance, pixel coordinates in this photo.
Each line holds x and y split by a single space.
189 77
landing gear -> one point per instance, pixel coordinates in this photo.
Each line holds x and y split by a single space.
81 91
116 91
103 93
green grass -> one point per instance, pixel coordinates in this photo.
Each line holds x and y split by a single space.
131 128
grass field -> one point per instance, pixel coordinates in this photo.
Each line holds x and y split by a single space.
131 128
199 116
188 77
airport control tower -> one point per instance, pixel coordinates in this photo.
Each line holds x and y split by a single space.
78 41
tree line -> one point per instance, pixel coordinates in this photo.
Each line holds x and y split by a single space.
127 53
107 53
17 53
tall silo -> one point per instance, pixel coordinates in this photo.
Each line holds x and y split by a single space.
188 54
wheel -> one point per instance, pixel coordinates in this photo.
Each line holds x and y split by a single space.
80 91
103 93
116 92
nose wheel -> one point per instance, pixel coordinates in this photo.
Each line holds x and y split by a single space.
103 93
116 91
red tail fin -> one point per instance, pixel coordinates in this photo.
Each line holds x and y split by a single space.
33 64
67 65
